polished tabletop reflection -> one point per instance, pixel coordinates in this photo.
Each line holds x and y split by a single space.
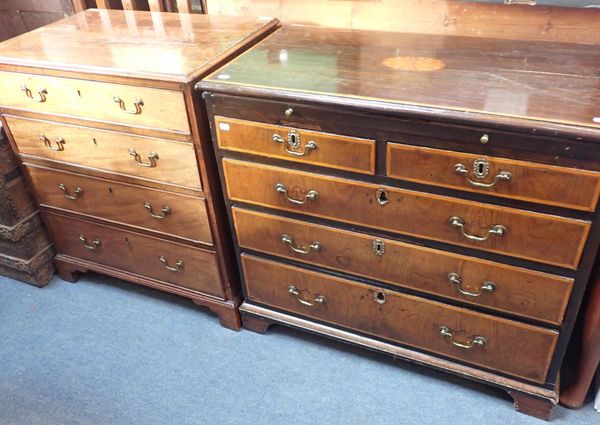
548 81
168 46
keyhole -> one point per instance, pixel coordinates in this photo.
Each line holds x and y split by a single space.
293 139
378 247
480 168
379 297
382 197
110 190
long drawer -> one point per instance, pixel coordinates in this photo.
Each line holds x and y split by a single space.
121 153
151 209
293 144
534 236
118 103
132 252
503 345
528 181
513 290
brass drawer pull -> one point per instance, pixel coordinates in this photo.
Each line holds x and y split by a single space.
312 195
166 210
137 103
476 341
41 93
96 243
152 156
178 264
77 192
456 280
495 230
60 142
319 299
292 144
481 168
286 239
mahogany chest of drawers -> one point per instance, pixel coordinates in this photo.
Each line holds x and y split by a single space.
100 108
433 197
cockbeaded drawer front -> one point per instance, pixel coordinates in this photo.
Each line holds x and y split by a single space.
518 233
503 345
292 144
143 157
155 210
527 181
178 264
512 290
136 106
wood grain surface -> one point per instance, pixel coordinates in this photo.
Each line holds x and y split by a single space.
136 44
560 186
540 237
106 150
511 347
136 253
517 291
123 203
441 17
332 150
532 81
159 109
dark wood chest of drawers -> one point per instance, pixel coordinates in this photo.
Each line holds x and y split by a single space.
100 107
434 197
25 250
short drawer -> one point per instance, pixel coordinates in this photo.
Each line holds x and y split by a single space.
293 144
502 345
143 157
527 181
137 106
534 236
565 149
151 209
171 262
512 290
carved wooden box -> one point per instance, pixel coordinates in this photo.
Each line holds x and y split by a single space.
25 249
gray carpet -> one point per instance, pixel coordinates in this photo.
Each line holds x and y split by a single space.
105 352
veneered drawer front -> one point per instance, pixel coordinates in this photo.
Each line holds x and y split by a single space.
504 345
136 253
130 105
483 283
293 144
106 150
566 149
151 209
534 236
527 181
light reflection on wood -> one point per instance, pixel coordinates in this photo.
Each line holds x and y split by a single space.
429 17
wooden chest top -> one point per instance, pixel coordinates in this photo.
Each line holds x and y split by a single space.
166 47
526 84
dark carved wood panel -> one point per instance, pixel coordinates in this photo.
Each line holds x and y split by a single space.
20 16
